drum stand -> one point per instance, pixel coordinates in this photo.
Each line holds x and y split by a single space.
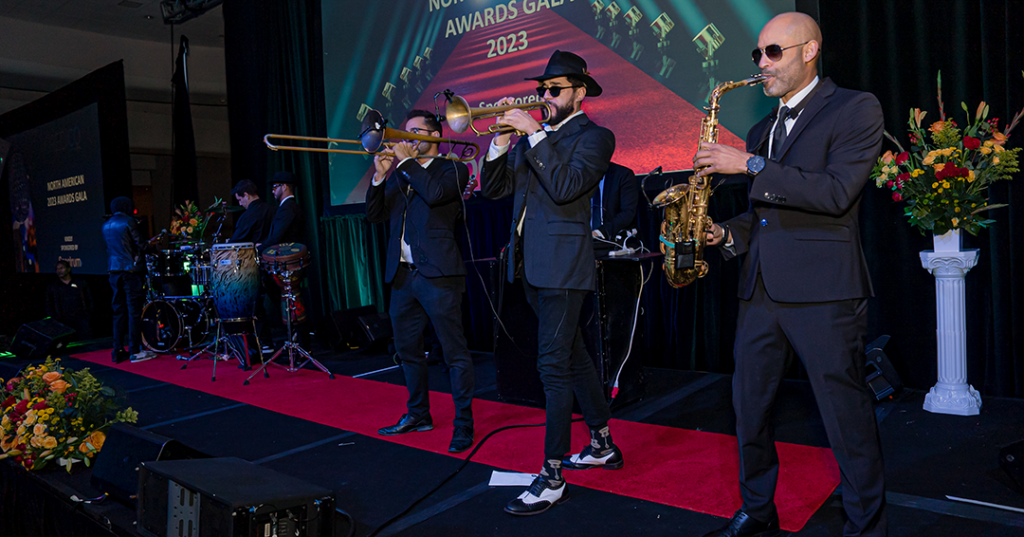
242 355
289 345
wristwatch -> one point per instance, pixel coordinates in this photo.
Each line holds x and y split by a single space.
754 165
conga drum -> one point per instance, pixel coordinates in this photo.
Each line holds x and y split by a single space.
235 281
291 258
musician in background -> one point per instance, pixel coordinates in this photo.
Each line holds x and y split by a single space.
422 201
613 207
287 224
804 283
69 301
551 174
124 265
254 224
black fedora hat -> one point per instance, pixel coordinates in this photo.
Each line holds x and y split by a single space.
283 178
568 64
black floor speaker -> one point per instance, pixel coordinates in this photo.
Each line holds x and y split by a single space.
343 330
229 497
610 331
41 339
882 377
116 470
1011 460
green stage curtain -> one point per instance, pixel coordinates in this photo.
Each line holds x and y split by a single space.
353 267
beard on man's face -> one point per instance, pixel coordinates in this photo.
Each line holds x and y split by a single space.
561 112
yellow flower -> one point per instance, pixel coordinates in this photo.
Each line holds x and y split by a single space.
998 149
97 438
956 210
36 442
49 442
995 160
985 150
917 172
955 222
945 184
30 419
928 160
935 185
940 191
39 430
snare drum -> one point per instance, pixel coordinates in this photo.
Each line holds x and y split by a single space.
235 280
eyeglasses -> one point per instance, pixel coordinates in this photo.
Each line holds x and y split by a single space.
774 52
555 90
417 130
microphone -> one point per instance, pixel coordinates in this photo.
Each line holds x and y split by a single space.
655 171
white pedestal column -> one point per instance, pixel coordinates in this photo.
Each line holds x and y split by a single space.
951 394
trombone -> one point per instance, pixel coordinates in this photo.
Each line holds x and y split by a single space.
461 116
372 139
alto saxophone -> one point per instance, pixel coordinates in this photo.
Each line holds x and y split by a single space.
684 228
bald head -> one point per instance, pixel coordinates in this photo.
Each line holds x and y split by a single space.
800 38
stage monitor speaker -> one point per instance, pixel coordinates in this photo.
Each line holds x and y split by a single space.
229 497
882 377
1011 460
116 470
376 328
342 330
41 338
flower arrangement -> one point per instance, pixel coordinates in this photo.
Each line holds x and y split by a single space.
54 413
945 175
189 221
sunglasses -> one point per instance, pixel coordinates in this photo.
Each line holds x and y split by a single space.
774 52
555 90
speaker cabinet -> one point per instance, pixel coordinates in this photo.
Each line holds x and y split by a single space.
606 321
116 470
342 329
229 497
41 338
882 377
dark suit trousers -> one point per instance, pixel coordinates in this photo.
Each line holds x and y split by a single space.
828 338
127 306
565 366
415 299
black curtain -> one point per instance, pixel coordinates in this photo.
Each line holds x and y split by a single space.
894 50
273 57
184 174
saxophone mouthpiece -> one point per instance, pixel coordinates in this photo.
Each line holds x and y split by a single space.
756 79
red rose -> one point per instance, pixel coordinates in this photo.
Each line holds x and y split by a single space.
889 184
40 405
903 177
22 407
896 196
7 402
971 143
902 157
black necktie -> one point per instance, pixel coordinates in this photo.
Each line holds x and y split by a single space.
779 136
595 209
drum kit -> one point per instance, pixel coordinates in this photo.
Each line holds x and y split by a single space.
198 291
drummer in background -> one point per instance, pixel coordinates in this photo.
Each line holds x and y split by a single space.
254 224
287 226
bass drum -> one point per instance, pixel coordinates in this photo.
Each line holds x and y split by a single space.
170 324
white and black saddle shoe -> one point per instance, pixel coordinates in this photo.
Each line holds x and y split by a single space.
540 497
585 460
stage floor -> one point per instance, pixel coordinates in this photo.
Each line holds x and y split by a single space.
927 457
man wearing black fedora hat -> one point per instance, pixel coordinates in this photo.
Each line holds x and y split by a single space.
551 173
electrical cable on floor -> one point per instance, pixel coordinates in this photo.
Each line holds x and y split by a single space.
444 482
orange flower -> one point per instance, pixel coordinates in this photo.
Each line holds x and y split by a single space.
887 157
49 442
918 116
937 126
999 137
51 376
59 386
97 438
39 430
938 166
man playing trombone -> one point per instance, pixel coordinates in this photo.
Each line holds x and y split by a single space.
422 201
551 173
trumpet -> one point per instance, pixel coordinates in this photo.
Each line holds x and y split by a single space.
372 139
461 116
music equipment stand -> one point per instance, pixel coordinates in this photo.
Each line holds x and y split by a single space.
293 348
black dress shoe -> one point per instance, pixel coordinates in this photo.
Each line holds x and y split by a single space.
742 525
585 460
408 424
540 497
462 439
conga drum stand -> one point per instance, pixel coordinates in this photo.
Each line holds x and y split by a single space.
242 355
289 345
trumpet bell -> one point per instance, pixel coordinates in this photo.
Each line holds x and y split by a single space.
458 114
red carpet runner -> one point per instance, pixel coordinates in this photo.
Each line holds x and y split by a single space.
682 468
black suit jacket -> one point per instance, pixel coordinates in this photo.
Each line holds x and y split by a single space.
254 224
287 225
618 201
555 180
431 208
801 230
